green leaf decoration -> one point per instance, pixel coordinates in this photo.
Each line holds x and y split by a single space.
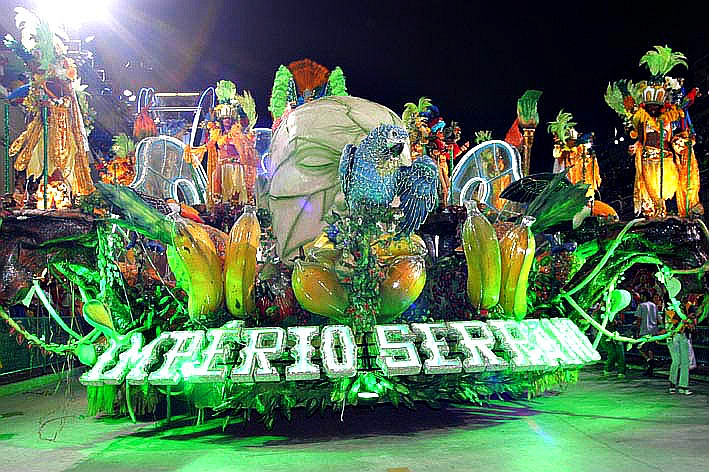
279 92
614 98
662 60
527 109
248 105
412 110
409 114
45 46
424 104
561 126
225 91
482 136
123 145
558 202
619 300
336 83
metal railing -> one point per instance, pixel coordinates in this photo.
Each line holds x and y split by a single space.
700 343
20 361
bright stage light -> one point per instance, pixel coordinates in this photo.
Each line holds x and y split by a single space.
127 93
73 13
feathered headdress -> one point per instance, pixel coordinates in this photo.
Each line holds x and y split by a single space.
308 74
40 45
248 105
410 117
301 81
662 60
561 127
413 110
225 92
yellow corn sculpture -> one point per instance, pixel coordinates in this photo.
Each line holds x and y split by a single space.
317 290
482 254
198 270
240 263
517 254
402 285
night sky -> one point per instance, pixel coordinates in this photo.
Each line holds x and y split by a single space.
474 60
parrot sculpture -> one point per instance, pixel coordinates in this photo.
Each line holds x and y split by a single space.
378 169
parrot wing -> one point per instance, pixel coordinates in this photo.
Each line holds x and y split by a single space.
417 187
346 164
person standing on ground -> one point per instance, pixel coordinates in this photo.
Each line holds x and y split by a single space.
615 351
647 315
678 345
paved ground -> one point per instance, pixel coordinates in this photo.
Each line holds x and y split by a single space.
596 425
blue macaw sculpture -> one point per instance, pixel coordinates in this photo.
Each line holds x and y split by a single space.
376 170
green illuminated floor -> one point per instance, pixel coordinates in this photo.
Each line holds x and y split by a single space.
597 425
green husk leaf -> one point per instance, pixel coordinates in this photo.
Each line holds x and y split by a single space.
248 105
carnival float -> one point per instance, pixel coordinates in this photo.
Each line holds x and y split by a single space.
360 256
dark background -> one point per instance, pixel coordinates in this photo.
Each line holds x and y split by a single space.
472 59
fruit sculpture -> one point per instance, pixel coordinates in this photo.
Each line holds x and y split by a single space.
517 254
319 288
240 263
403 282
198 270
192 248
482 254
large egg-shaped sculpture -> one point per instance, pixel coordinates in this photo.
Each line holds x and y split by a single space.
303 166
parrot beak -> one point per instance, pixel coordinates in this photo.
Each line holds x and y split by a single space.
405 156
397 148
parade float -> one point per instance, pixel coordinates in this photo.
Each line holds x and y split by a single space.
368 259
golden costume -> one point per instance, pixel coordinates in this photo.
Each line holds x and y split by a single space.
656 174
231 163
68 148
688 172
582 167
234 178
654 111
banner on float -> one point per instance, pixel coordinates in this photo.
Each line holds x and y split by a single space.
311 352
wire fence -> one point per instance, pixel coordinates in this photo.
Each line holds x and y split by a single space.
19 361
